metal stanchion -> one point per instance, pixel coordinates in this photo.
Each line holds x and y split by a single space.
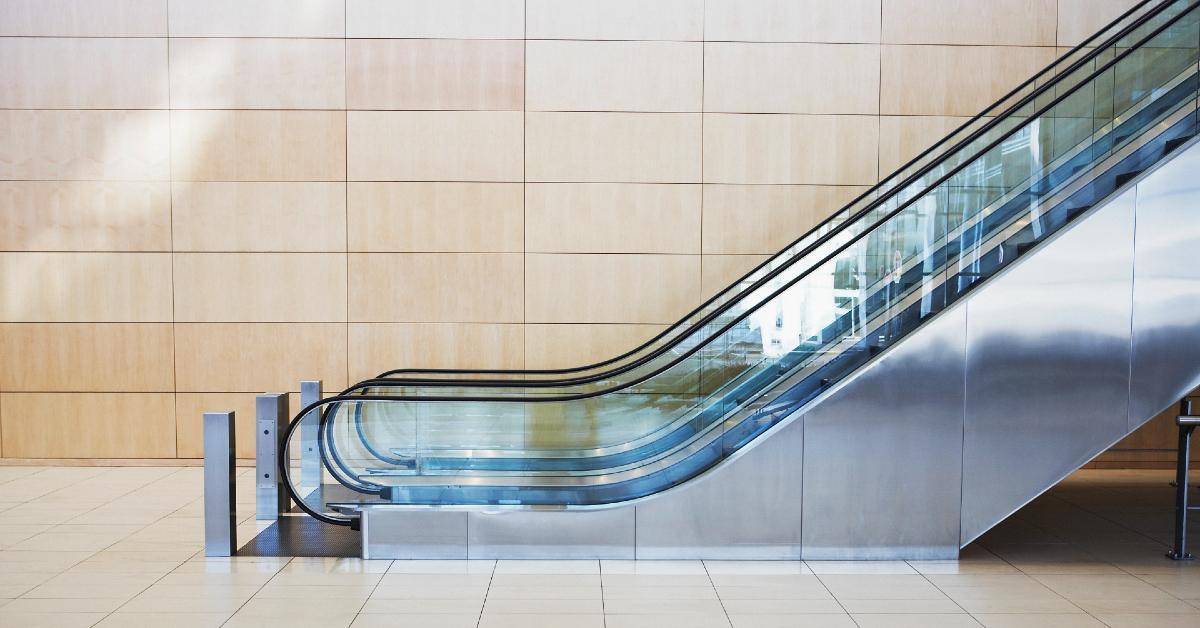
310 453
220 494
271 412
1187 423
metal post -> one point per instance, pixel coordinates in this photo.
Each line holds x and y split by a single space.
1187 423
220 496
271 412
310 453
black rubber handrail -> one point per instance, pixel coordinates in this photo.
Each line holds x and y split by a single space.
390 382
821 225
342 398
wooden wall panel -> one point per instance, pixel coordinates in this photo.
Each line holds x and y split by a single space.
613 147
85 287
78 73
258 357
88 425
653 289
791 78
87 357
901 138
847 21
568 345
378 347
260 287
258 18
259 216
85 145
436 217
613 76
953 80
85 216
258 145
1079 19
83 18
995 22
258 73
451 74
436 287
612 218
438 146
722 270
825 150
762 219
436 19
630 20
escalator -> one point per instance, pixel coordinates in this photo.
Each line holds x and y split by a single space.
890 385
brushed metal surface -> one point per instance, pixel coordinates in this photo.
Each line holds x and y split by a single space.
220 490
883 453
747 508
551 533
1166 288
414 533
271 417
1047 378
310 451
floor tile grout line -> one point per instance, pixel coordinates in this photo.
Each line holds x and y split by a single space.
257 591
375 588
487 592
728 619
816 575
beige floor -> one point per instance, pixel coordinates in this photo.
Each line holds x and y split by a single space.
120 547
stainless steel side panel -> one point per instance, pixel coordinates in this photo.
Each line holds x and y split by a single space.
429 533
1166 288
883 453
1048 355
550 533
749 508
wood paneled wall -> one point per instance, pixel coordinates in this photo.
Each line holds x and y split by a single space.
204 199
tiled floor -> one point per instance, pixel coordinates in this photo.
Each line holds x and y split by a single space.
121 547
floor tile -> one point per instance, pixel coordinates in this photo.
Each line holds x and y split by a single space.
49 620
423 606
544 593
163 620
781 607
1039 620
1093 587
859 567
653 567
915 621
442 566
680 620
881 587
824 620
1127 620
754 567
555 607
663 607
541 620
659 593
548 567
379 620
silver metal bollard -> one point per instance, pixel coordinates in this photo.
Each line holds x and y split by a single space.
310 453
220 494
271 412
